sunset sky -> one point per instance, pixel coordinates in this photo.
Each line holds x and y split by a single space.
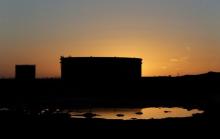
174 37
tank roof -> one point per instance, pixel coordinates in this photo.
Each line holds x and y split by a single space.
25 65
101 58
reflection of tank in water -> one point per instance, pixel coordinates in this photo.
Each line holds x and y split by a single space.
84 68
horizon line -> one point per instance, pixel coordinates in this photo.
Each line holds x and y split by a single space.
204 73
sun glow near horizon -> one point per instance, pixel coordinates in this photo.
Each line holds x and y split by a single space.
158 59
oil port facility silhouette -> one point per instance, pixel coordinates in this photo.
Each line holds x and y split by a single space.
90 68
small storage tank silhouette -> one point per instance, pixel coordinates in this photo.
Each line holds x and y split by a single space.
104 68
25 72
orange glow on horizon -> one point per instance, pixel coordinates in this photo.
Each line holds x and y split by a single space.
159 59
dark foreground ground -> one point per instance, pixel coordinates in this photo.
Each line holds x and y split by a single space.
61 125
26 98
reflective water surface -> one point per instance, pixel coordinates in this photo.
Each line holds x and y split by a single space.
134 113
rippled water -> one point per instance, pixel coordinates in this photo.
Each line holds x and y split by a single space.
134 113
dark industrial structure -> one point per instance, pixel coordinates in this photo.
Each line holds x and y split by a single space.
25 72
104 68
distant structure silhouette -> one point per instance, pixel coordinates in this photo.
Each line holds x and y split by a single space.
25 72
104 68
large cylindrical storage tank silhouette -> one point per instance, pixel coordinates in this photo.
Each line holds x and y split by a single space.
100 68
